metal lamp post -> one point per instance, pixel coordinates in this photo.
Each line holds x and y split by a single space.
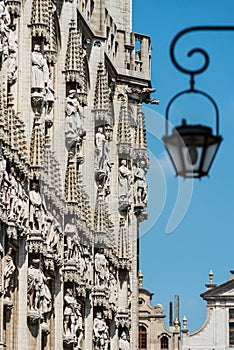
192 148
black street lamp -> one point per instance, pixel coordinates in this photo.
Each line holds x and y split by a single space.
192 148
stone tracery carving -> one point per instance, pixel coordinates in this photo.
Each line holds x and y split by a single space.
113 292
2 171
5 21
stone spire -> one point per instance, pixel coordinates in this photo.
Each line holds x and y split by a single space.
102 223
40 21
140 131
140 152
124 131
71 183
84 210
75 65
51 48
3 113
101 99
76 196
123 245
36 148
51 178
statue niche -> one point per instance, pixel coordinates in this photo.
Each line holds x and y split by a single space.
39 80
74 130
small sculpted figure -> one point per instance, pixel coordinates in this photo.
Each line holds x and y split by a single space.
101 333
123 342
74 130
124 181
101 270
140 185
40 72
73 320
9 269
39 295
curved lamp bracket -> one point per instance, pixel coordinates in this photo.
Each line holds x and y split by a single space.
194 72
200 51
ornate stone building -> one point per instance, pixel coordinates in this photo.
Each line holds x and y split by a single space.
153 333
73 159
217 332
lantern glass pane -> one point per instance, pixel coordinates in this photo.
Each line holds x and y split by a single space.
209 156
176 156
190 166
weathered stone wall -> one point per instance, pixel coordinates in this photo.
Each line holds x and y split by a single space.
73 158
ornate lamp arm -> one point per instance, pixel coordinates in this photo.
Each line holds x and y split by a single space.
193 72
195 50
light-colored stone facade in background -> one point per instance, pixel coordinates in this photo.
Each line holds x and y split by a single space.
217 332
73 160
153 333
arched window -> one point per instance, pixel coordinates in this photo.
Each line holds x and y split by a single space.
142 337
164 342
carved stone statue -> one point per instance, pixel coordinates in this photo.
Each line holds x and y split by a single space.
73 320
140 186
101 151
9 269
40 72
101 270
12 57
11 68
35 208
74 130
22 204
100 332
124 182
123 342
73 244
13 193
39 295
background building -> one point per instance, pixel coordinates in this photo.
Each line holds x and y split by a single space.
217 332
153 333
73 158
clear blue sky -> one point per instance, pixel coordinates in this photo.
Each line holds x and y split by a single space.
179 263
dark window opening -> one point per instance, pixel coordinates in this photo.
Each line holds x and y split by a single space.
142 337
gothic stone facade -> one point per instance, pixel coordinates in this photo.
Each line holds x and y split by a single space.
73 159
